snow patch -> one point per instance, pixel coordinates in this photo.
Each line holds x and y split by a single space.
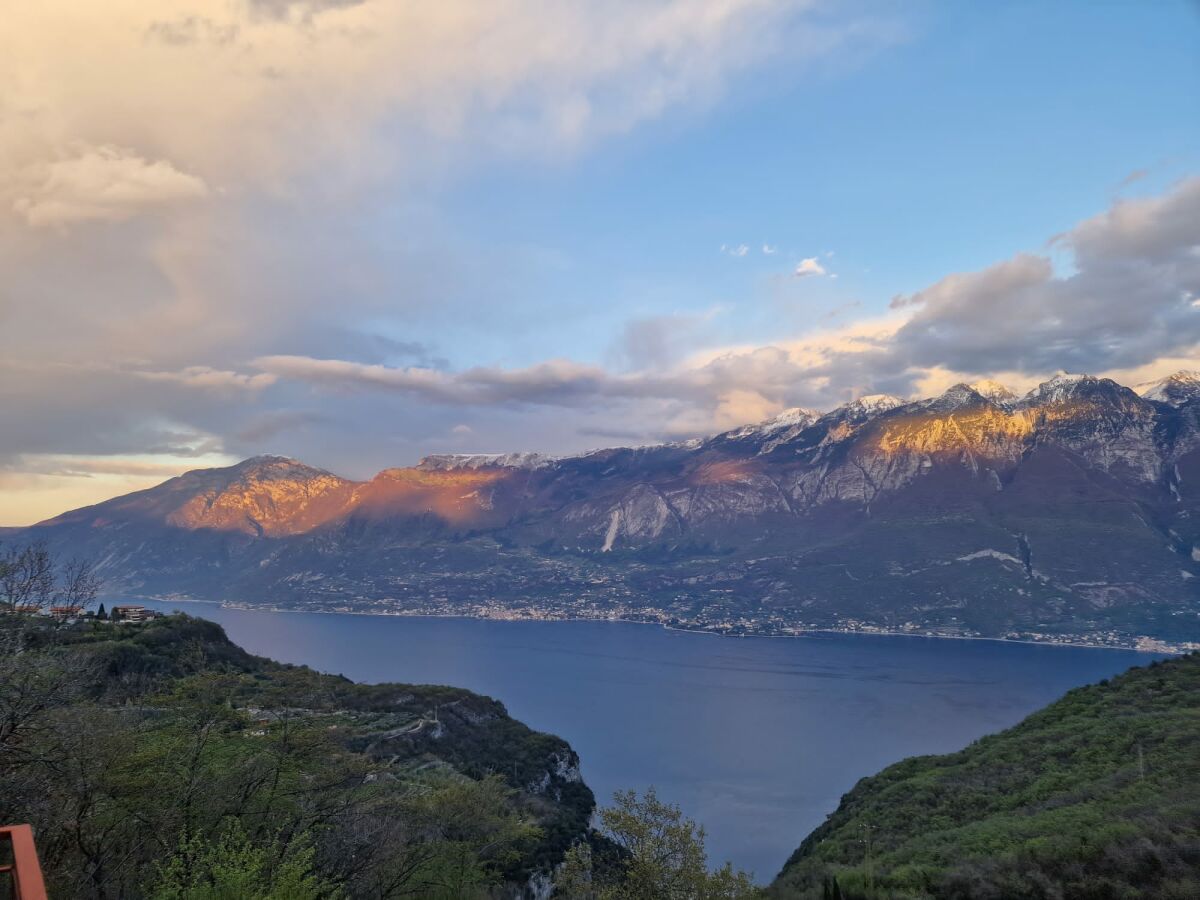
519 460
990 554
1174 390
992 390
1061 387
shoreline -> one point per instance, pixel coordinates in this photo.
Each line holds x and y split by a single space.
1167 648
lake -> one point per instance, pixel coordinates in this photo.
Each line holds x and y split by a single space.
755 738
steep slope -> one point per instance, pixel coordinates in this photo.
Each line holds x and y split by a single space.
184 730
1098 795
1177 389
1070 511
264 496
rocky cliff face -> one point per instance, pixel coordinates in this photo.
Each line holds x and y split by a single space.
976 509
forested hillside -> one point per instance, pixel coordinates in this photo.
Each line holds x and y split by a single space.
1097 796
159 760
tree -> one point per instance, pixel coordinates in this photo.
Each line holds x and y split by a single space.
31 579
102 614
231 867
661 857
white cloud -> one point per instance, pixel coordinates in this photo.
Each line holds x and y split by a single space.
1126 309
230 94
809 267
206 377
768 250
98 183
202 181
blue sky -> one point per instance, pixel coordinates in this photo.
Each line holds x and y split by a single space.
984 130
359 232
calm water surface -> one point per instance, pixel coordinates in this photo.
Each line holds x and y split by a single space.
756 738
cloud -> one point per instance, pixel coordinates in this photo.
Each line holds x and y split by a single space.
189 186
809 267
556 382
190 30
272 423
220 233
74 466
303 10
206 377
258 92
718 386
1133 177
768 250
1126 305
655 342
99 183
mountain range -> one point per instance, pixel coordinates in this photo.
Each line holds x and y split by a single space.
1072 512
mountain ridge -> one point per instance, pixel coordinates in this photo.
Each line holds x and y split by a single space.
879 513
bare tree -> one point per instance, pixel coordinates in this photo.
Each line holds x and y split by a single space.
31 580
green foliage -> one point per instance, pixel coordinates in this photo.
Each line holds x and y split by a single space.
232 867
1097 795
654 854
159 760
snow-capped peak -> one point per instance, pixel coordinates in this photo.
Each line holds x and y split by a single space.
797 415
865 407
992 390
1175 389
518 460
1060 387
874 403
954 397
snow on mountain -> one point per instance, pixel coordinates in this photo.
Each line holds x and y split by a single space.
881 510
993 390
771 433
1061 387
875 403
796 417
1174 390
866 407
954 397
519 460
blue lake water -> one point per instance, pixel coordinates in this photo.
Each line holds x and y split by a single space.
755 738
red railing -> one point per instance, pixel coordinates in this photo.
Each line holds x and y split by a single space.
24 872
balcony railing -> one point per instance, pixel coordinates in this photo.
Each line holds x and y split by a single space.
20 867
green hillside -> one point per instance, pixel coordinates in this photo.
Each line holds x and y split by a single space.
161 760
1095 796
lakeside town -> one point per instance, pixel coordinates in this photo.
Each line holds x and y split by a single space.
705 622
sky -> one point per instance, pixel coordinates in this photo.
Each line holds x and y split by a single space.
356 232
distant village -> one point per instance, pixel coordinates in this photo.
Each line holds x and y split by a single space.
131 613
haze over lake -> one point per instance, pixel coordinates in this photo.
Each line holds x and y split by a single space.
756 738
